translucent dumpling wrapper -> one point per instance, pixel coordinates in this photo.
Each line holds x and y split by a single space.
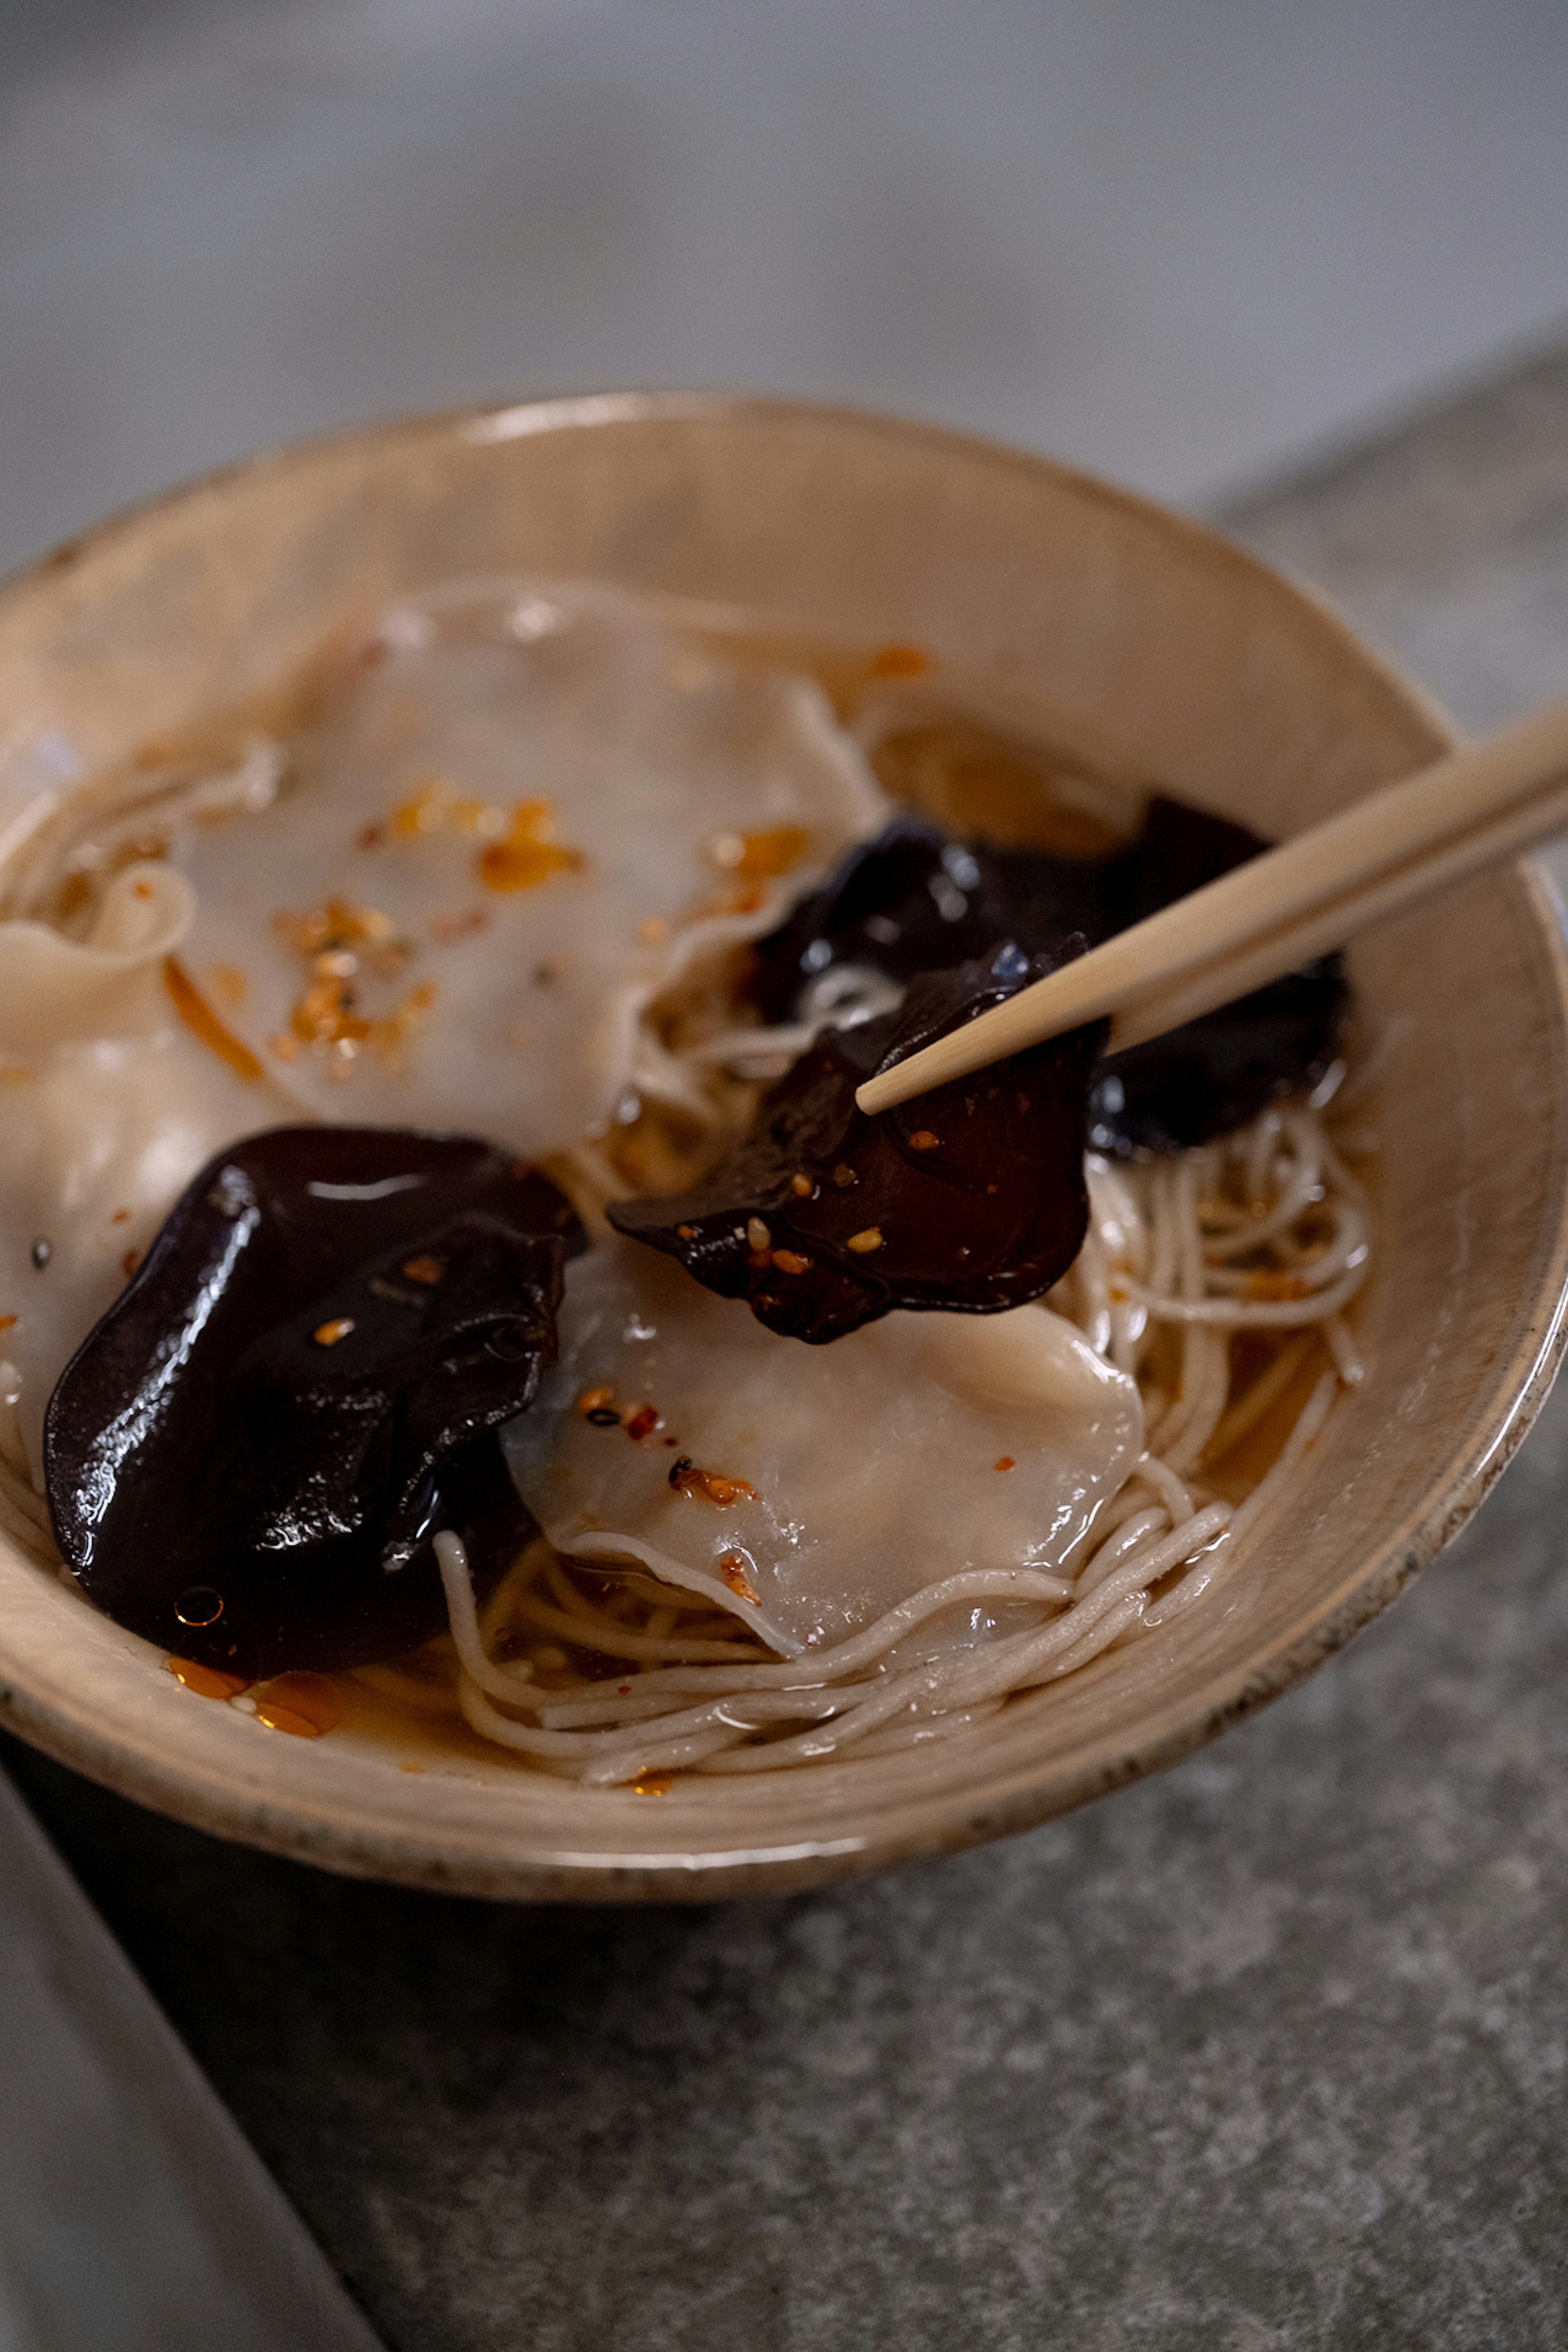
509 824
809 1490
110 984
98 1139
109 1104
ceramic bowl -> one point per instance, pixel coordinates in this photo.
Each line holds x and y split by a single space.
1219 680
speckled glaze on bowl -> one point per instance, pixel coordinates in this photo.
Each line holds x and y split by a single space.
1218 679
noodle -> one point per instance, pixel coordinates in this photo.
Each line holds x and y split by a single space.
1263 1231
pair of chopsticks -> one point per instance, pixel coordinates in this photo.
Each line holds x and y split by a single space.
1472 809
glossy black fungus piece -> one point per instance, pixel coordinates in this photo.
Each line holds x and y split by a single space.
1215 1074
247 1457
911 899
971 1198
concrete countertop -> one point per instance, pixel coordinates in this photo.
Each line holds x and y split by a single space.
1268 2052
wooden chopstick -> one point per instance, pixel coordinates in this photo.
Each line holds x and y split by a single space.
1472 809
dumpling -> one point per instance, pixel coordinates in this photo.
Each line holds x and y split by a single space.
808 1490
100 1133
511 824
109 984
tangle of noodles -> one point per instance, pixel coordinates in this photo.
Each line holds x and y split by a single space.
1217 1279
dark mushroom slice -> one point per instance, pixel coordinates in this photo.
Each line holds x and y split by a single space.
1218 1073
970 1198
911 901
249 1455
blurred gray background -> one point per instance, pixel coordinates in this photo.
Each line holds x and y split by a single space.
1182 241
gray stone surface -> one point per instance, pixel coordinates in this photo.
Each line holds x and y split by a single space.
1268 2052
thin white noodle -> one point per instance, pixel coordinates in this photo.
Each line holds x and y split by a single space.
1175 1251
1251 1315
1127 1538
1347 1356
1166 1485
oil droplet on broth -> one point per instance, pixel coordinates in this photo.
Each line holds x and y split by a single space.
207 1682
199 1605
306 1705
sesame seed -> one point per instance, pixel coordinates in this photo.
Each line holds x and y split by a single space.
328 1334
922 1139
758 1235
844 1174
802 1186
870 1238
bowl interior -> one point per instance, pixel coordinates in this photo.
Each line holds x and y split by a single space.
1124 627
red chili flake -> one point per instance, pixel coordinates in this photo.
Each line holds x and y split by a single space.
370 836
686 1232
1005 1462
732 1568
328 1334
6 1322
710 1485
121 1217
645 1418
623 1690
130 1262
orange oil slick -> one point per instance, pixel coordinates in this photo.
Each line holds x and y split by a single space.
305 1705
207 1682
202 1022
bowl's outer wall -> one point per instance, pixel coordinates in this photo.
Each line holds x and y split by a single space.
1209 674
